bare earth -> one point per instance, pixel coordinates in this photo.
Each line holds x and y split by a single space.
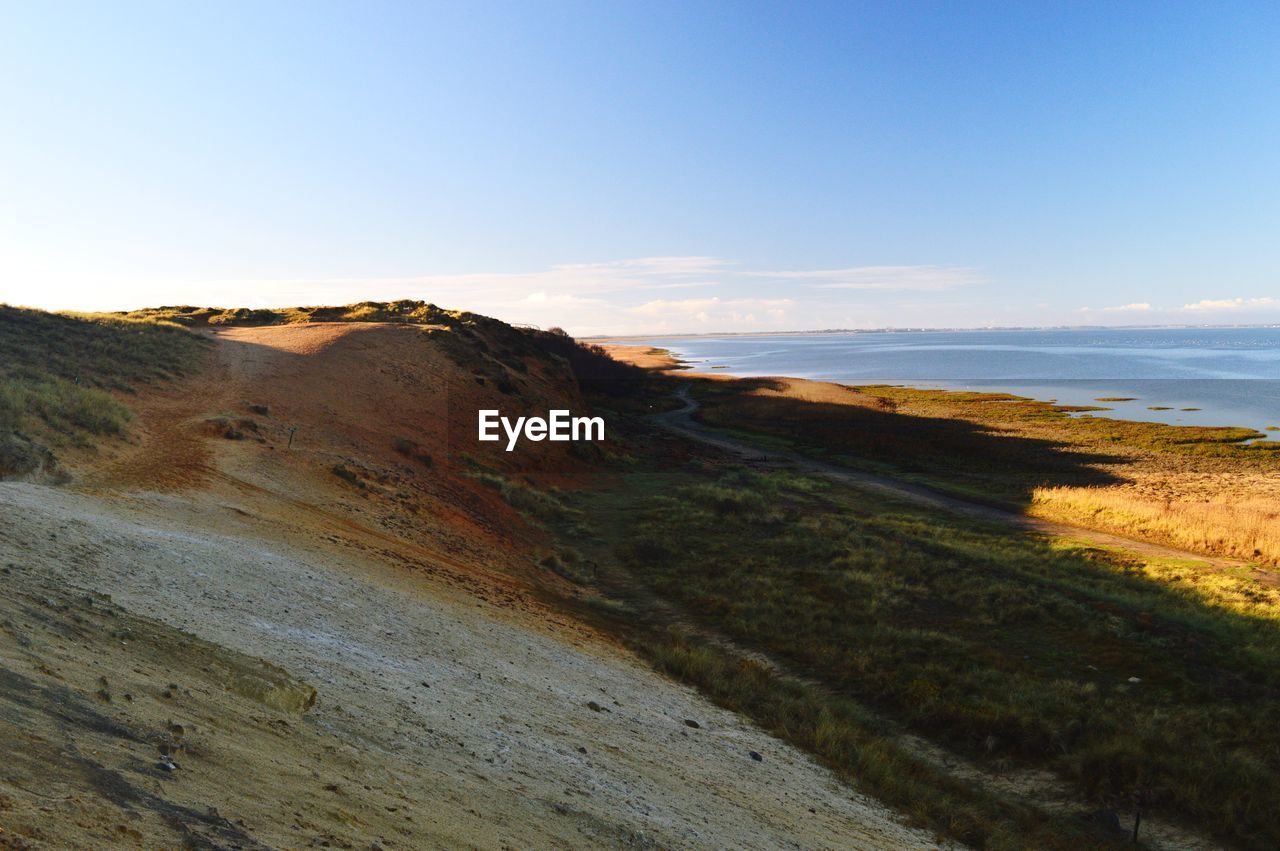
450 708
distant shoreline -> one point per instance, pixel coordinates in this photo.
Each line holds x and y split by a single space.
665 360
607 338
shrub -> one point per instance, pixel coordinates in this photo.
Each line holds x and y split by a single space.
539 504
568 564
592 366
410 449
65 407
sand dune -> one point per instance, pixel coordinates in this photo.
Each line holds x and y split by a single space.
452 709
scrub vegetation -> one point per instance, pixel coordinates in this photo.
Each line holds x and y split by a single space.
1212 490
1130 680
537 504
1249 531
896 643
61 374
417 312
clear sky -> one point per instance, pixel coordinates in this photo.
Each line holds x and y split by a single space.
649 167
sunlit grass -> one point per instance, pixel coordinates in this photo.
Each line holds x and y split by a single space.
1123 675
1208 490
417 312
1249 531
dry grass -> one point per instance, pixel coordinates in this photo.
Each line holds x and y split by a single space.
58 372
1209 490
1119 674
1245 530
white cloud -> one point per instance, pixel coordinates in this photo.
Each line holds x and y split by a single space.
1232 303
613 297
1135 307
642 266
919 278
669 313
666 307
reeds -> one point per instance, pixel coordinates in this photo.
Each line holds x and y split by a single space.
1244 530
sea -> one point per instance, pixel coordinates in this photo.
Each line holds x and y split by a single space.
1181 376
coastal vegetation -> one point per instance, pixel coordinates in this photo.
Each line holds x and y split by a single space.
1212 490
1220 526
857 628
62 375
1001 687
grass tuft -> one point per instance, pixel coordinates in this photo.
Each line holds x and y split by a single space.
538 504
60 374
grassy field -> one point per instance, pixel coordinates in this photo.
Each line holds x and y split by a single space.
61 374
961 450
1128 679
1213 490
1222 526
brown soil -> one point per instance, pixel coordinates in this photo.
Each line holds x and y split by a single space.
452 708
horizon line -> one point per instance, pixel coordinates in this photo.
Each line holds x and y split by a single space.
924 329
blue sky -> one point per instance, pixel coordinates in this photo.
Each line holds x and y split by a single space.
649 167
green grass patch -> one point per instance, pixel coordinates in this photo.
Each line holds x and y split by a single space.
94 350
64 407
60 374
846 738
1009 650
536 503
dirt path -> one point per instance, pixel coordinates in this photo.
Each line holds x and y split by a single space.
681 422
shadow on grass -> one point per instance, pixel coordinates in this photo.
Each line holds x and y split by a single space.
972 458
1005 648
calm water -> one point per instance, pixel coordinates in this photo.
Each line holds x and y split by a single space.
1231 374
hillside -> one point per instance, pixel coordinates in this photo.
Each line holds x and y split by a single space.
265 588
284 602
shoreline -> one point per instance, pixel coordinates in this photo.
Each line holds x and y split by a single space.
665 360
604 339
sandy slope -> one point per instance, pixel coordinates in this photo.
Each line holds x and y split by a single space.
477 721
453 710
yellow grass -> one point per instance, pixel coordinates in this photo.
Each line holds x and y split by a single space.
1247 530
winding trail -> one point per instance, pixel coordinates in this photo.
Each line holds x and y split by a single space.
681 421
